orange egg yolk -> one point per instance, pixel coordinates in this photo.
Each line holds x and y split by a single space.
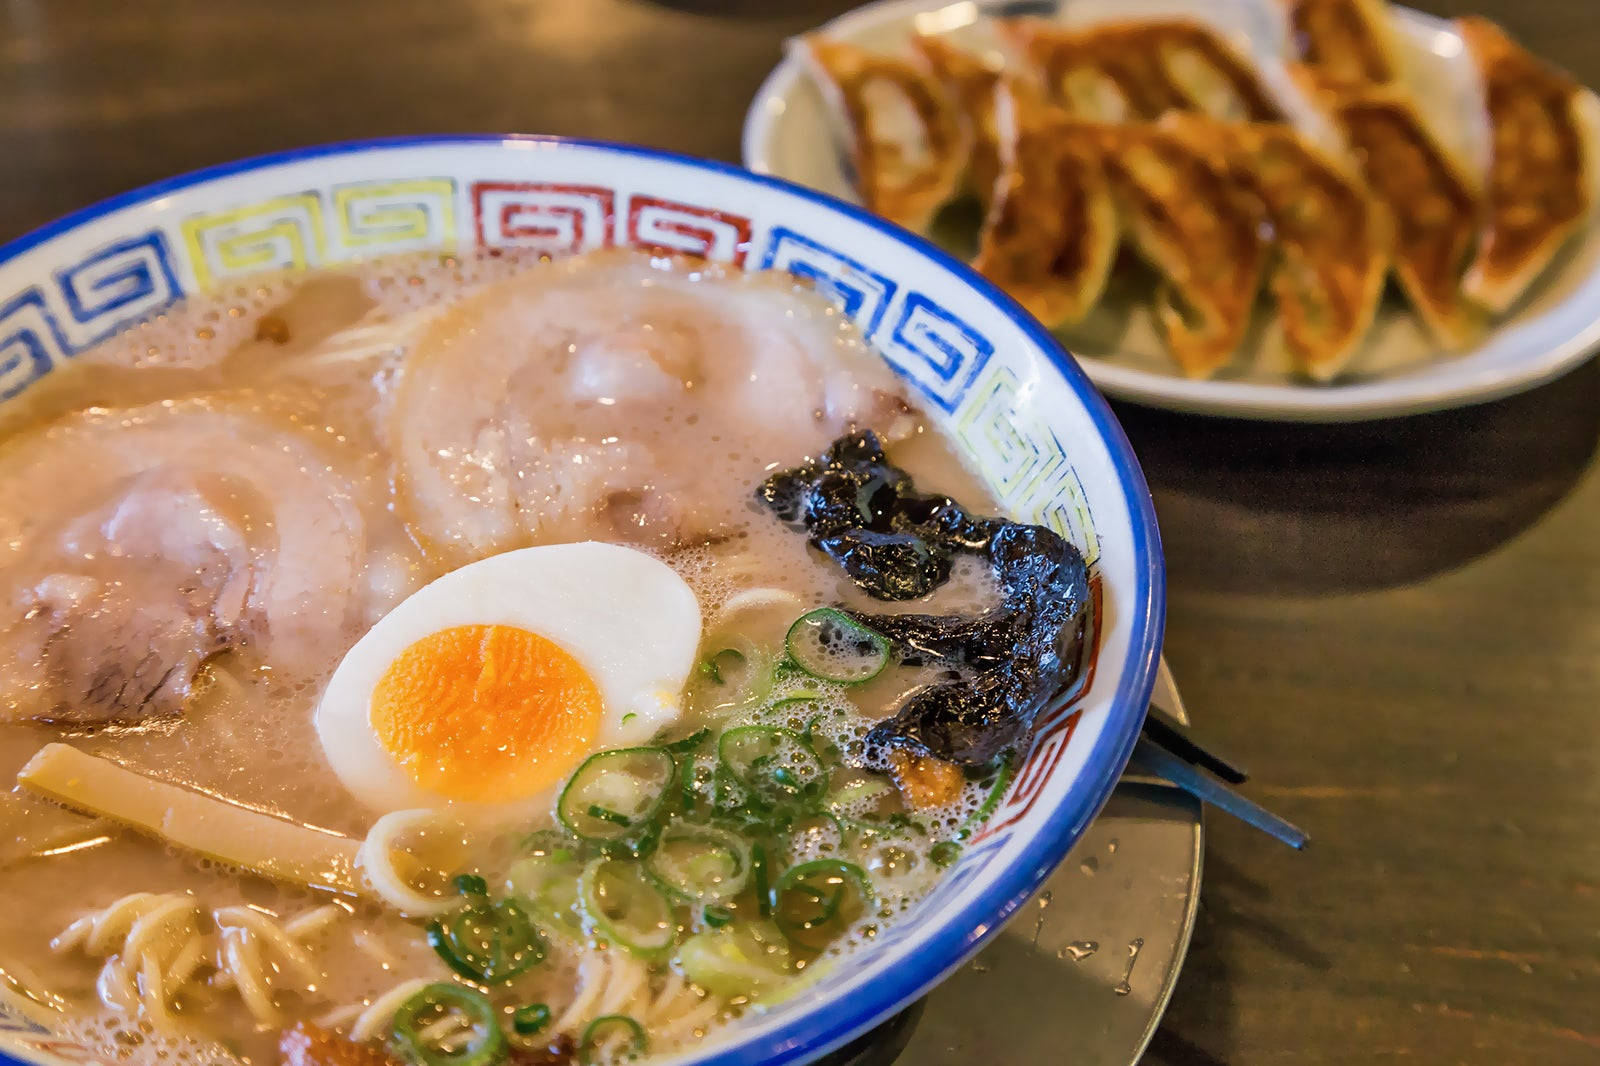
485 713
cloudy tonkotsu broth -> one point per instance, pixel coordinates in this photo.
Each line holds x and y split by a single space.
207 512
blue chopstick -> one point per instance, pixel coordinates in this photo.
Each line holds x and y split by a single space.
1152 758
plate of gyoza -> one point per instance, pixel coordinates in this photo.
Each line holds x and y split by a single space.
1315 210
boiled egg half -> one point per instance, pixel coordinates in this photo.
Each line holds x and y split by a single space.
490 685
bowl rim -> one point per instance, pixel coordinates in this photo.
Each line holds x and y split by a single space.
815 1032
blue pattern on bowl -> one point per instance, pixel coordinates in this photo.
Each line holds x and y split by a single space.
1016 404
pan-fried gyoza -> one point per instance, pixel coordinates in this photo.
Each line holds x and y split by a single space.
1355 169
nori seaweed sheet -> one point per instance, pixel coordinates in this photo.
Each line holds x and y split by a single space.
896 543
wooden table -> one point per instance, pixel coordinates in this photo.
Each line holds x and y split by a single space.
1397 625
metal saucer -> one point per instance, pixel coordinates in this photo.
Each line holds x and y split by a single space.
1084 971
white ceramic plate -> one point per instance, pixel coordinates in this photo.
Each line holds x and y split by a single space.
788 132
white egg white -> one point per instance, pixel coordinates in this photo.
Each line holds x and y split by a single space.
627 618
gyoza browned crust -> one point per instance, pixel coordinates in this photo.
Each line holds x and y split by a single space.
1331 239
1436 211
1142 69
1346 42
1051 231
1540 168
970 82
1200 227
902 175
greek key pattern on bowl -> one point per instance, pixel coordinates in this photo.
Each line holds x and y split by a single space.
547 217
1050 739
861 293
284 233
669 226
1026 463
395 216
305 229
90 299
940 354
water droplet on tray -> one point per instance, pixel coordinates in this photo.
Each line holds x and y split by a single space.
1134 947
1079 950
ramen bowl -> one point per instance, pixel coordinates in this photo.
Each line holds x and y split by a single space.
1015 406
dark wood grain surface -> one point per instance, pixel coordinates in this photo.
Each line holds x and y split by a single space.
1396 625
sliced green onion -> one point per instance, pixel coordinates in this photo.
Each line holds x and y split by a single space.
606 814
799 702
945 852
829 644
727 794
488 943
616 793
487 1045
640 846
824 747
711 666
700 863
688 743
815 901
809 830
549 842
749 959
796 708
530 1019
991 802
793 686
595 1034
686 783
858 792
548 884
470 885
871 805
716 916
773 763
736 675
623 906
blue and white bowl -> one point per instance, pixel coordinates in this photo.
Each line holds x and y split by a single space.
1016 405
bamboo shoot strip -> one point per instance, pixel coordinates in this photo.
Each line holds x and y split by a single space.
216 828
